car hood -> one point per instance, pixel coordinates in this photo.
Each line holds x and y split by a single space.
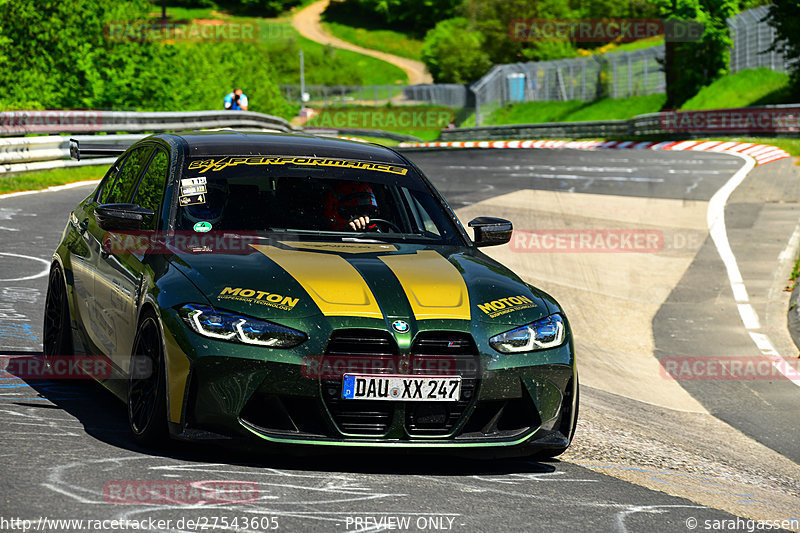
296 279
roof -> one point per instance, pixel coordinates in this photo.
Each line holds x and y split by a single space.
229 142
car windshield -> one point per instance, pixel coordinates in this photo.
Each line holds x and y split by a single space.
310 196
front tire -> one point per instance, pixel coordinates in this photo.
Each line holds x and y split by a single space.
147 388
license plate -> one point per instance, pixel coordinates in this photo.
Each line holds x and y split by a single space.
402 388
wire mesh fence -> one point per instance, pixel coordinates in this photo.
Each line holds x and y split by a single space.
617 75
752 39
444 94
611 75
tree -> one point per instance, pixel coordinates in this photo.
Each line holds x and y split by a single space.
408 16
493 18
64 55
689 66
453 52
784 16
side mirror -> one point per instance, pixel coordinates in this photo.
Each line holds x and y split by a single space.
119 217
490 231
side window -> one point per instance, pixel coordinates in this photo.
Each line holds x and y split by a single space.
128 174
108 180
151 188
427 222
421 216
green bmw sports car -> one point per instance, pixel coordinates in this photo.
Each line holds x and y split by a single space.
286 289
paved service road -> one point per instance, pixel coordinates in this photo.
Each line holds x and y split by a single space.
639 463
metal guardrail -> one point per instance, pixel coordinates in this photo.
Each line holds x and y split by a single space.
772 121
27 122
548 130
22 154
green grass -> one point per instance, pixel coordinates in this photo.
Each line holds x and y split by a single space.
619 109
280 43
372 71
434 118
31 181
353 27
638 45
745 88
576 110
759 86
379 140
389 41
187 13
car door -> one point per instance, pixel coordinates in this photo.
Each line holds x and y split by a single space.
84 246
114 292
130 272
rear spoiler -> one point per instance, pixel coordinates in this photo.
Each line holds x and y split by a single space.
76 151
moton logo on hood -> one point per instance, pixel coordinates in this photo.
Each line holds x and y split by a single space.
502 306
260 297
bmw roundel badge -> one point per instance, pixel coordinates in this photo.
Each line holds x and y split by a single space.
400 326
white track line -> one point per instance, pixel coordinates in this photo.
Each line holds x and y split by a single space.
715 217
55 188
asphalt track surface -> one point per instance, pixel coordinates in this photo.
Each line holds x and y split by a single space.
62 443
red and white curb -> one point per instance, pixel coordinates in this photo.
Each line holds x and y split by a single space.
762 153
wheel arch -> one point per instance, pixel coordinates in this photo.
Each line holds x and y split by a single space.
175 364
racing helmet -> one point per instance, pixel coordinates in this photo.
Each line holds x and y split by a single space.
347 200
216 199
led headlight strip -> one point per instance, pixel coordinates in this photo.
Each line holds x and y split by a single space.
222 325
540 335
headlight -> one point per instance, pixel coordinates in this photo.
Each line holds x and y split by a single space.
540 335
214 324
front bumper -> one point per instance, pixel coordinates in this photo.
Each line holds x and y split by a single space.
509 402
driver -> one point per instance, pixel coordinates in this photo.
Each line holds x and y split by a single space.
349 205
216 199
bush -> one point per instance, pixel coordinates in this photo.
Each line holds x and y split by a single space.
784 16
407 16
61 60
453 52
689 66
262 8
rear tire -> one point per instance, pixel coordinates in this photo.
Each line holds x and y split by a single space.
57 334
147 388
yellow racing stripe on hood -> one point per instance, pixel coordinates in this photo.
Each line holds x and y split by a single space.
433 286
334 284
